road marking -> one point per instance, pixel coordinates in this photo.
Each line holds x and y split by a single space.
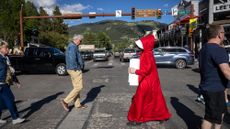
110 62
100 80
96 64
106 80
122 63
87 62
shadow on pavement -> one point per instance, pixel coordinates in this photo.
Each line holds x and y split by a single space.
193 88
192 121
92 94
85 70
197 70
37 105
227 118
104 67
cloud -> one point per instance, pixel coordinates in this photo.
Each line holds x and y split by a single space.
100 9
49 5
74 8
44 3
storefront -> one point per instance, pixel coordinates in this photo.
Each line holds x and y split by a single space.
221 15
181 33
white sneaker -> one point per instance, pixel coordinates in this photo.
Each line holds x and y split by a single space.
18 121
2 121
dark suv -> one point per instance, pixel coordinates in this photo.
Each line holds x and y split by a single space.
178 56
40 59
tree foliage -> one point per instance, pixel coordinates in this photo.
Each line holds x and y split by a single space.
9 19
49 31
100 40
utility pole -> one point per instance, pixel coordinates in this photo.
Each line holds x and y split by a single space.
21 30
210 19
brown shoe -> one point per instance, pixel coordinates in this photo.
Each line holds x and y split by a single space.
64 105
82 107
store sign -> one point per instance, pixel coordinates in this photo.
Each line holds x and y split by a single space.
222 7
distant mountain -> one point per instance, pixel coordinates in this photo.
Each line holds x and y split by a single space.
117 29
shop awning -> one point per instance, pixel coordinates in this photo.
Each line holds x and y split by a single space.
185 20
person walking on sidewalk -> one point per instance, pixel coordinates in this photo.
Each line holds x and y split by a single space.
6 95
215 72
74 66
148 104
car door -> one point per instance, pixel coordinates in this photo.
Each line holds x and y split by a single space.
44 59
168 54
158 55
29 61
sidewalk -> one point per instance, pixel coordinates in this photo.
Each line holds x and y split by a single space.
76 118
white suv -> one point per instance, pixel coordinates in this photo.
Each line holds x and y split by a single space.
127 54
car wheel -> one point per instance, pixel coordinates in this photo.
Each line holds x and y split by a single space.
180 64
61 69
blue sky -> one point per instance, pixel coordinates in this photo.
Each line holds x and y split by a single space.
107 6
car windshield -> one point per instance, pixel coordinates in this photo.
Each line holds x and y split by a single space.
129 51
99 51
57 51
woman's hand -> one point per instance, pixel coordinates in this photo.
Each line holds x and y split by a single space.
18 85
131 70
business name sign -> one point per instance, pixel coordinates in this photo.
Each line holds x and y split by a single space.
222 6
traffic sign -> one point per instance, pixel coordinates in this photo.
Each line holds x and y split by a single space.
145 13
118 13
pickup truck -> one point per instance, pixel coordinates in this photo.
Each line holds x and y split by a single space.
40 60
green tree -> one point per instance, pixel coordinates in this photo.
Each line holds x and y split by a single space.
44 24
58 24
89 38
103 40
30 24
9 19
54 39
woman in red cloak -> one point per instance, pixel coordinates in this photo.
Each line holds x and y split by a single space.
148 103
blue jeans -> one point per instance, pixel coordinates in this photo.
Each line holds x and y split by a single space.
7 100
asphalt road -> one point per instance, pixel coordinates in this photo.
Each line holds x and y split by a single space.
106 86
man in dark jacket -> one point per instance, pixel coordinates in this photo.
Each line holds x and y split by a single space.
74 66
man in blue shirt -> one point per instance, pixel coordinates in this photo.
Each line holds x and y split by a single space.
74 66
215 73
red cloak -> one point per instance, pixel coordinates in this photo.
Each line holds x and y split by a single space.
148 103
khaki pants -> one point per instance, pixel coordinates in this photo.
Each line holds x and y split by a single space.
74 95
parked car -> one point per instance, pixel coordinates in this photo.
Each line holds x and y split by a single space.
43 59
40 59
87 55
116 54
100 55
178 56
127 54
